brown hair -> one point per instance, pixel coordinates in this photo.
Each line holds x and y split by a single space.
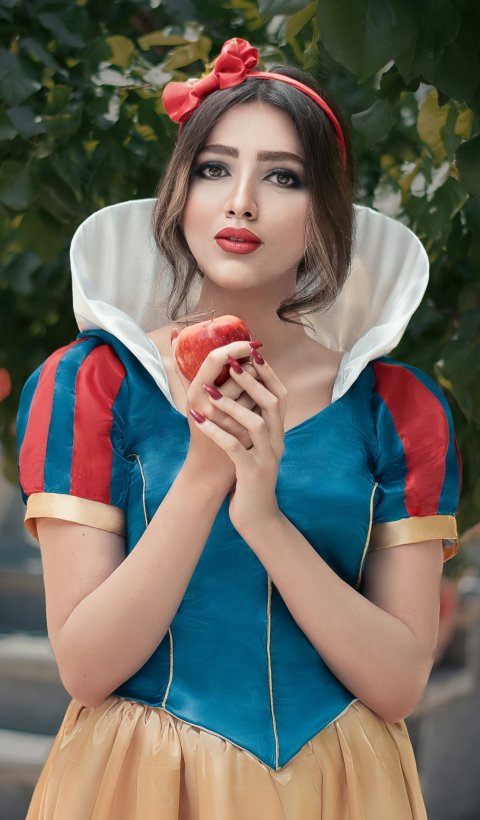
330 222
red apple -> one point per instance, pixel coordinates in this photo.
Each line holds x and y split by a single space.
195 342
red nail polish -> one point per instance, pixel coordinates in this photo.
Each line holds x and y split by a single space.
197 416
234 364
256 344
212 391
258 358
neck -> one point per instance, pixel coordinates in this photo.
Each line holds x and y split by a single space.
282 341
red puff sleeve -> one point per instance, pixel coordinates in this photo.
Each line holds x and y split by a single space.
418 467
70 438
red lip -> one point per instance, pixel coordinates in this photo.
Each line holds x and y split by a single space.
237 246
237 233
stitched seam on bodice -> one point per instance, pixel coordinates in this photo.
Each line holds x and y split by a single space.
367 540
170 634
270 681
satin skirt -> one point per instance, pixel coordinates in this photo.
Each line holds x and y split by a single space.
124 760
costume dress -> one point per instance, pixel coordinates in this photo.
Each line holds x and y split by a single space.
236 716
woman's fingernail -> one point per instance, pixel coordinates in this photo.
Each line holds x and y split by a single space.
234 364
197 416
174 334
258 358
256 344
212 391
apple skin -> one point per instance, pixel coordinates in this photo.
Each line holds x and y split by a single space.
195 342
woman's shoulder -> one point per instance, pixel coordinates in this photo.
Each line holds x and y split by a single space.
89 363
79 380
413 419
397 401
406 388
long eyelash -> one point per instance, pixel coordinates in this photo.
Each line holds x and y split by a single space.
297 182
207 164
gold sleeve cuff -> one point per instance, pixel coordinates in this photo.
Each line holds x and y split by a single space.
72 508
415 529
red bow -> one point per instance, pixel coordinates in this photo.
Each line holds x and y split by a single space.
230 68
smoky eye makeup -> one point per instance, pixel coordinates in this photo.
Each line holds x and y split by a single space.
199 169
212 169
286 173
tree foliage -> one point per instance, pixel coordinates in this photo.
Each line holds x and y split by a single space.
82 126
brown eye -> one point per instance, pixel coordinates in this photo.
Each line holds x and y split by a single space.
209 170
286 179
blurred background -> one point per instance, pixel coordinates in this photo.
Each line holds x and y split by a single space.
82 126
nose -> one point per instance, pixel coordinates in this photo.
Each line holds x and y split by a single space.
241 202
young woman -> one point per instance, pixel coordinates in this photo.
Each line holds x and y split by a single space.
242 583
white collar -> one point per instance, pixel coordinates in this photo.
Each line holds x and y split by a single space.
121 284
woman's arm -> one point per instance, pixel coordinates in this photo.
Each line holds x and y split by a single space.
106 612
379 644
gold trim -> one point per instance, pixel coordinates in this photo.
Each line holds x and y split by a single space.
75 509
270 682
367 540
410 530
229 740
145 515
417 528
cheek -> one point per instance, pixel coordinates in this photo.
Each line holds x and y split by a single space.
192 216
291 228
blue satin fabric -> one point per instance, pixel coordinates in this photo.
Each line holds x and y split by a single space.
220 673
214 668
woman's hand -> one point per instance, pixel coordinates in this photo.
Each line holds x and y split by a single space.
253 497
204 455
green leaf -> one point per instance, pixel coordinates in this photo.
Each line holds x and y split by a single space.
57 27
122 50
41 55
451 139
311 56
463 126
376 122
297 21
180 10
160 38
40 234
58 197
430 122
364 35
438 27
26 122
19 272
64 125
457 72
16 189
7 131
57 99
270 8
467 158
188 54
15 83
434 216
5 7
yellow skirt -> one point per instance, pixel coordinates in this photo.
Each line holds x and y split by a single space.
127 761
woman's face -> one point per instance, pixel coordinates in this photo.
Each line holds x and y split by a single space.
249 175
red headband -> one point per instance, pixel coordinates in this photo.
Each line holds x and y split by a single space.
232 67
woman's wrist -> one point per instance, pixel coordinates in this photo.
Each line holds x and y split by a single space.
201 477
261 533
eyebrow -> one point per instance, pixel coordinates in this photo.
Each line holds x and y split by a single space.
263 156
